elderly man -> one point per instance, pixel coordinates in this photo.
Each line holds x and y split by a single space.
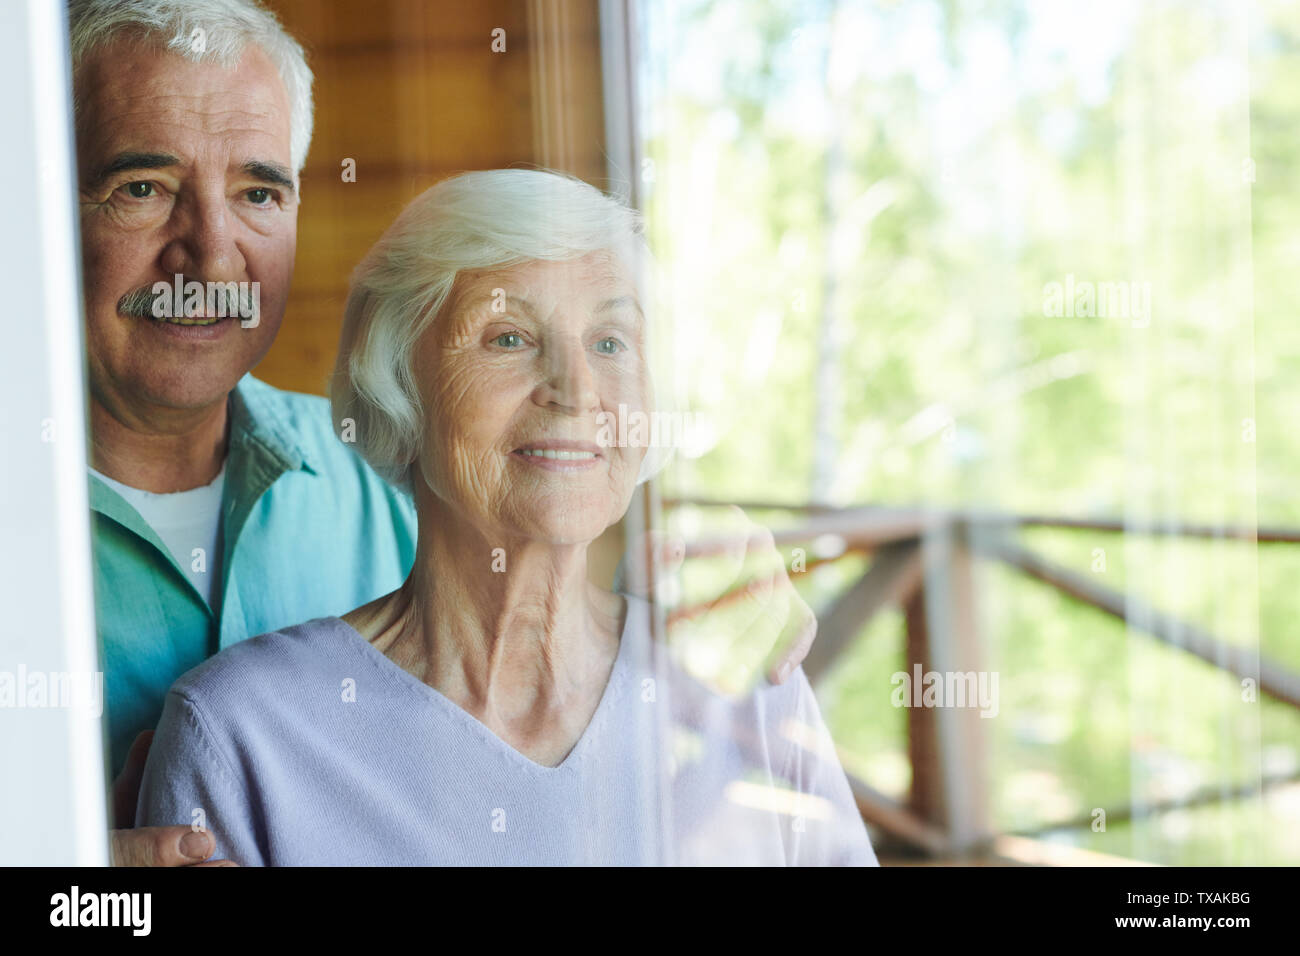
222 508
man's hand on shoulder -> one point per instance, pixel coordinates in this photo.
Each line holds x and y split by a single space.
163 846
151 846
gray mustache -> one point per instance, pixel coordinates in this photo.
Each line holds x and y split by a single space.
140 303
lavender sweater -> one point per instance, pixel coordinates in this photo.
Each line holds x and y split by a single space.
309 747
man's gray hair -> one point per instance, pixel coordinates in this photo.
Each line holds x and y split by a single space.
479 220
201 30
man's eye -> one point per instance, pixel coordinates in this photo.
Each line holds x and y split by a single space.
139 190
259 197
509 340
610 346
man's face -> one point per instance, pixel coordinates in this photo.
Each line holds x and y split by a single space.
184 169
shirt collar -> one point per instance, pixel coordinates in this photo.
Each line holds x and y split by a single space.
257 417
260 432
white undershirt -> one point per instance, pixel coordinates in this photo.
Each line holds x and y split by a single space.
186 521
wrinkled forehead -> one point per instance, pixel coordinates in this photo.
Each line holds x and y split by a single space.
132 93
602 281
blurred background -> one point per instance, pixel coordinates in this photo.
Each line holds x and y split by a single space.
982 308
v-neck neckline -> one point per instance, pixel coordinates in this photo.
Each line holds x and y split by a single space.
613 687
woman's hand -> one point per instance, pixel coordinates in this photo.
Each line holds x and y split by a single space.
750 592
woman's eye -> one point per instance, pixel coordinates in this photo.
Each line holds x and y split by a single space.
139 190
609 346
509 340
259 197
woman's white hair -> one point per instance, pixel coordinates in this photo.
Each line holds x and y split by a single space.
200 30
479 220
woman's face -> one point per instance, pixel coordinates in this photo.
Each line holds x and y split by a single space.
515 373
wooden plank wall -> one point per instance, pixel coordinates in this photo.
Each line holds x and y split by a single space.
412 91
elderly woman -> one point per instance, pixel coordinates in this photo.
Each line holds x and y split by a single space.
497 708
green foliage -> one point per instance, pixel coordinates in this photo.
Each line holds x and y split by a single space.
865 253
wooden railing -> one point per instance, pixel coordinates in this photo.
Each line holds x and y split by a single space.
921 562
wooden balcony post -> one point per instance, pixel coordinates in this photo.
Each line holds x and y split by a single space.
948 744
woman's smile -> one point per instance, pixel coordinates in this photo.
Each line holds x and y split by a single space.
560 456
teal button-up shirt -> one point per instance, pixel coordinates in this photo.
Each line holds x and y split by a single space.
308 530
